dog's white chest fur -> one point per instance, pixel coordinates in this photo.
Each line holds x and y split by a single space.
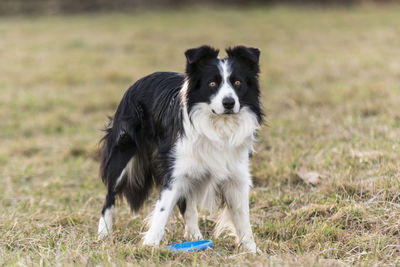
214 148
203 157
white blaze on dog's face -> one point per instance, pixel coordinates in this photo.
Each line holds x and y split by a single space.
225 100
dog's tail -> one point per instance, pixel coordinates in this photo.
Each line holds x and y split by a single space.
125 163
105 151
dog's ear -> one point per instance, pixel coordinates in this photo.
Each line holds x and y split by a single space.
196 55
249 55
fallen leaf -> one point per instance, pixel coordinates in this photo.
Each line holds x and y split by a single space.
309 177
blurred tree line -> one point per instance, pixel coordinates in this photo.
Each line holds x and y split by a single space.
78 6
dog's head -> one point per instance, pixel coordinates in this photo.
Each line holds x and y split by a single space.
225 85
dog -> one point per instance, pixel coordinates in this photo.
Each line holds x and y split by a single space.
191 135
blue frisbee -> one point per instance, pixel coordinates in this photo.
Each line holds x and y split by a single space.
191 246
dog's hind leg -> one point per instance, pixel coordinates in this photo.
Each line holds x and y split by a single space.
107 213
115 173
107 217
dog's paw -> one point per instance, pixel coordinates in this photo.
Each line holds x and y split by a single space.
150 244
193 235
102 235
104 229
151 241
250 246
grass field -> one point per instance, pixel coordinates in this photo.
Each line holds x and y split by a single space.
331 90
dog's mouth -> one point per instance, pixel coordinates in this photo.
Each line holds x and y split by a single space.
226 112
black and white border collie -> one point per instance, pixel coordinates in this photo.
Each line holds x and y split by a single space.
191 135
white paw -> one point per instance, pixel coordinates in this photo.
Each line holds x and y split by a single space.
106 223
102 235
250 246
193 235
150 243
151 240
104 229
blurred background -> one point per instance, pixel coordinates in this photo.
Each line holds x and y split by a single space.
330 78
77 6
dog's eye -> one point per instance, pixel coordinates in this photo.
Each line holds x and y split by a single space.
212 84
237 83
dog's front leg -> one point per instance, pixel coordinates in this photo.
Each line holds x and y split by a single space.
236 194
192 231
162 210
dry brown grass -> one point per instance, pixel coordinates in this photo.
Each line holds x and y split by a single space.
330 83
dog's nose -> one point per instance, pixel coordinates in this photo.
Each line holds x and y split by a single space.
228 102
